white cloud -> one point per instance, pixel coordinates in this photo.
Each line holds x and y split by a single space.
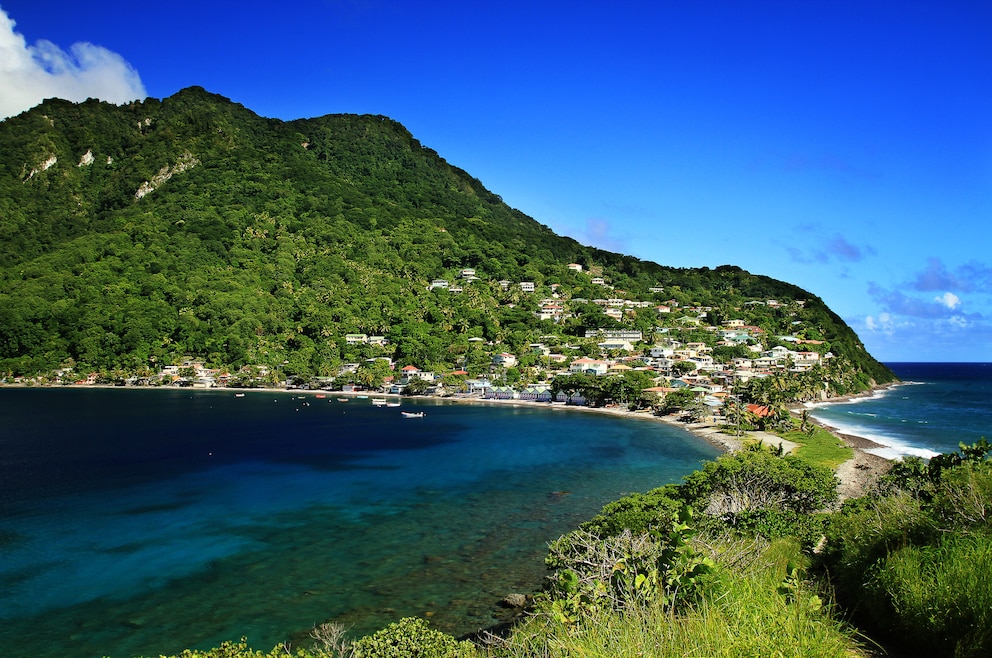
948 299
883 323
30 74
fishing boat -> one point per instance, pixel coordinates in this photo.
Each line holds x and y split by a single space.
412 414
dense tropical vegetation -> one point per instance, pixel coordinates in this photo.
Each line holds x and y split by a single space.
134 237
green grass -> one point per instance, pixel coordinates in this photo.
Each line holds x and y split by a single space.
820 447
941 595
743 614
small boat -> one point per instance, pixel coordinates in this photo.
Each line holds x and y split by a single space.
342 399
363 397
239 395
392 404
379 402
412 414
320 396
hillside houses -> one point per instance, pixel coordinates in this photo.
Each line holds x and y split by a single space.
643 335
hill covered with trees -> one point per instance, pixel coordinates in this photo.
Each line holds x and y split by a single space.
135 236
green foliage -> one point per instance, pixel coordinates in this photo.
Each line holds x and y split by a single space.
263 242
411 637
681 399
766 609
748 481
242 650
939 596
627 570
819 446
636 512
912 560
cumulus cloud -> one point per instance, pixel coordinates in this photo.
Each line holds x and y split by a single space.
896 301
948 299
883 323
30 74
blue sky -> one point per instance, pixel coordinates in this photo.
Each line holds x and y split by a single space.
845 147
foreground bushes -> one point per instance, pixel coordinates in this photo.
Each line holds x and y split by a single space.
753 602
913 561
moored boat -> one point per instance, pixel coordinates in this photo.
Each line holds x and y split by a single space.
412 414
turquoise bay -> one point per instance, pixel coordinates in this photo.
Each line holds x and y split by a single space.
145 521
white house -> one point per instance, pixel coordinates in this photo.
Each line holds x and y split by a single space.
413 372
504 359
615 313
589 366
616 344
632 335
778 353
575 267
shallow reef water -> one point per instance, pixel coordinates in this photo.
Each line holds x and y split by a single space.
142 522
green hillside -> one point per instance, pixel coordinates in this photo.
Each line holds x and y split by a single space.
134 236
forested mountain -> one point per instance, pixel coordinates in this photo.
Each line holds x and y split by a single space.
134 236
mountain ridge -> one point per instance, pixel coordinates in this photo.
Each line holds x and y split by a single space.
138 234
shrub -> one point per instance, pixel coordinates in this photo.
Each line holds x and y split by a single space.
626 571
742 613
864 532
411 637
636 512
939 597
913 561
242 650
752 480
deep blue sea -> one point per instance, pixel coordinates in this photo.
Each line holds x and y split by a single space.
140 522
938 406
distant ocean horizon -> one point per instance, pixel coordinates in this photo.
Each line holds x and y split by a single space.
141 522
936 407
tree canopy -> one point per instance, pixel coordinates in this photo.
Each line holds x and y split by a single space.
132 236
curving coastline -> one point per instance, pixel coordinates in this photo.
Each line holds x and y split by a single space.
855 475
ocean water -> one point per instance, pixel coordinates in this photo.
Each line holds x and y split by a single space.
141 522
937 407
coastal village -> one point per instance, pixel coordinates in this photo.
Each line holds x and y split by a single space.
660 361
